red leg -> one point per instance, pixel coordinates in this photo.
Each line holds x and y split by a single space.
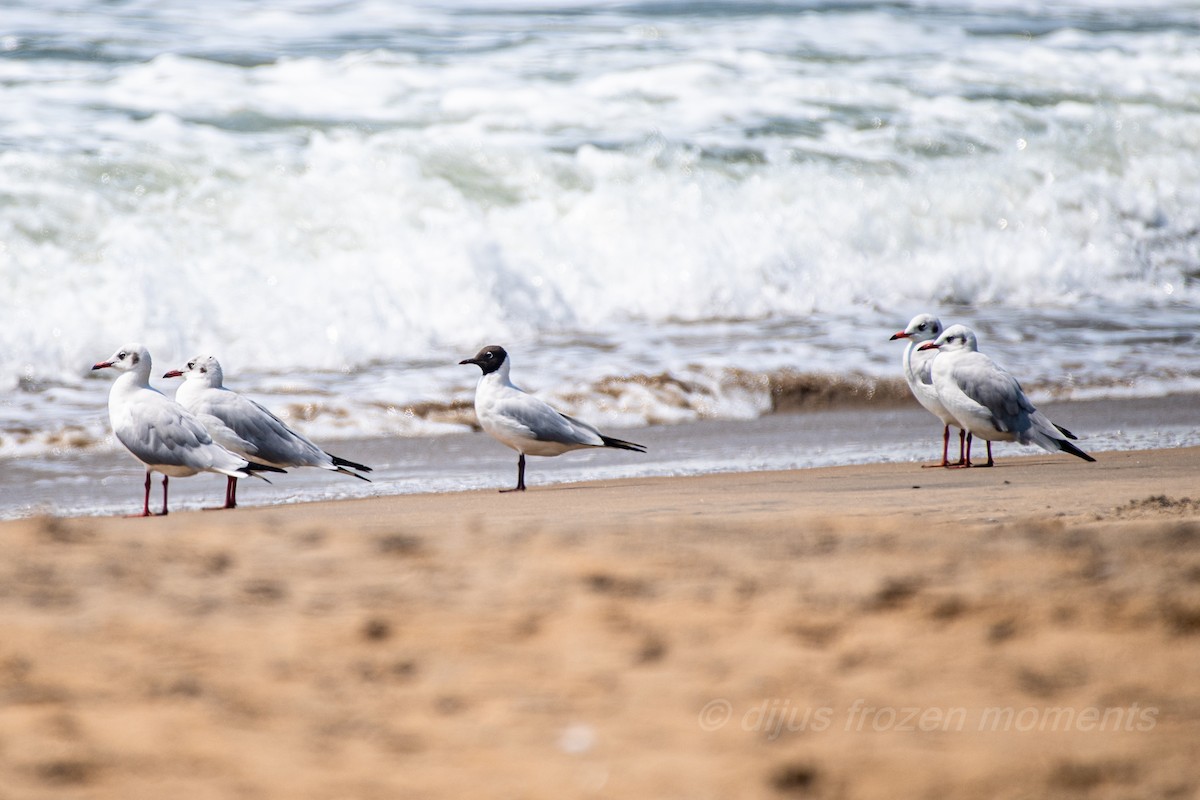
965 461
962 435
945 449
230 496
146 500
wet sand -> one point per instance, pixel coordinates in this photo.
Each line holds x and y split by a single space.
104 482
867 631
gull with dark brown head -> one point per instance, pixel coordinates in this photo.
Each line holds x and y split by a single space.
525 423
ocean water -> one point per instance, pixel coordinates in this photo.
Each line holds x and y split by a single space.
666 211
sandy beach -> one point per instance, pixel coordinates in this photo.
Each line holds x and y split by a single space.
697 226
864 631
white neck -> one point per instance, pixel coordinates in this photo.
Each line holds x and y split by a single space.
138 377
497 378
205 380
906 358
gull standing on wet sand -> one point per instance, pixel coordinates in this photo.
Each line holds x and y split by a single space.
246 428
925 328
159 432
987 400
525 423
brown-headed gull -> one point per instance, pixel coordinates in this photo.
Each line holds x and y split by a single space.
246 428
159 432
525 423
987 401
916 363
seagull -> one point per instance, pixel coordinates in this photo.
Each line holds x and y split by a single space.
159 432
246 428
925 328
987 401
525 423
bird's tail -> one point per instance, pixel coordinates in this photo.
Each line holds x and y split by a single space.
1048 436
621 444
341 462
348 467
1067 447
1064 431
1048 439
345 471
252 469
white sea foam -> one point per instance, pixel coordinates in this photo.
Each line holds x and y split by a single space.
342 208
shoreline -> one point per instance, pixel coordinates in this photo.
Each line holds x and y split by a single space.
947 496
98 483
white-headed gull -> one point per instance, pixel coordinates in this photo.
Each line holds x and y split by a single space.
159 432
916 363
242 426
987 401
525 423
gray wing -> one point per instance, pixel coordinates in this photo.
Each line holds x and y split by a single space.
540 421
251 429
922 368
994 388
160 432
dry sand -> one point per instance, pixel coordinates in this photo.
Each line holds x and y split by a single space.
882 631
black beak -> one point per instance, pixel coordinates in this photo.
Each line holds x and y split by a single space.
474 361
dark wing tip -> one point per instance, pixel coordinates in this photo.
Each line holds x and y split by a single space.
352 473
254 466
1067 447
341 462
621 444
1064 431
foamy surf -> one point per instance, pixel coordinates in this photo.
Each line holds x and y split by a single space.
386 407
659 209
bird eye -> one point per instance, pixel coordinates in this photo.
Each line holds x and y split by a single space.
121 355
922 326
490 355
191 365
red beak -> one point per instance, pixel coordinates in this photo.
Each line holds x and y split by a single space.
173 374
929 346
900 335
102 365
